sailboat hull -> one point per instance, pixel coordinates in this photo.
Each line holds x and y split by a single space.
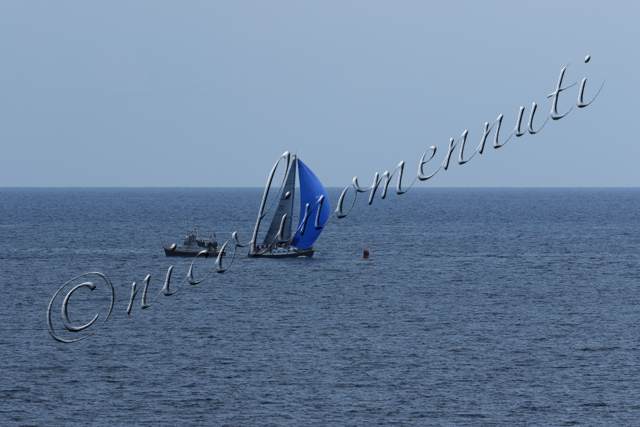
283 253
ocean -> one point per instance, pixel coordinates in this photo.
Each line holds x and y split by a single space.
477 307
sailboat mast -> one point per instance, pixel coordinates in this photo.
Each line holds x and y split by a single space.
293 194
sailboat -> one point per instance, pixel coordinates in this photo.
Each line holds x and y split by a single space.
313 197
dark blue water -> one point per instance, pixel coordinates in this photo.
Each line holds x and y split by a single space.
496 307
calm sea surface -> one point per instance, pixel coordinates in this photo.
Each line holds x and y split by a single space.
478 307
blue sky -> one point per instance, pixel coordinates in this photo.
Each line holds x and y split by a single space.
175 94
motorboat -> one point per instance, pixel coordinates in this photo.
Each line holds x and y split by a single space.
193 245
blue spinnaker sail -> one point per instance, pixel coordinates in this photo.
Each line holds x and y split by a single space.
310 191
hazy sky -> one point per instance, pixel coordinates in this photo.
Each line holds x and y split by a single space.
133 93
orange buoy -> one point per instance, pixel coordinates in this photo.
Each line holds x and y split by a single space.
366 253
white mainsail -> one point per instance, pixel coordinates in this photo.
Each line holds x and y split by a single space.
285 206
